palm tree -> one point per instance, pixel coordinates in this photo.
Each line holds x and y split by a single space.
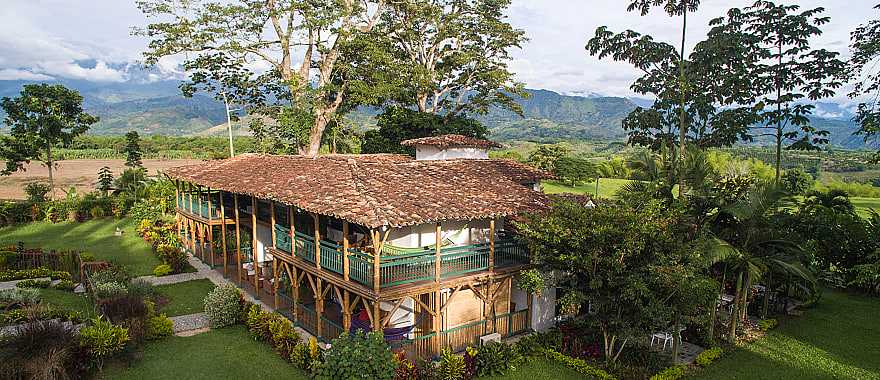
750 246
837 200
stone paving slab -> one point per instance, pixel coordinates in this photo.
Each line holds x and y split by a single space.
173 278
189 322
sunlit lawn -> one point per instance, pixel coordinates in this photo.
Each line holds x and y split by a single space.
69 301
94 236
227 353
838 339
608 187
185 297
539 368
864 204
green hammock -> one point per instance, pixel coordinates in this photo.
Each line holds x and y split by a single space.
393 250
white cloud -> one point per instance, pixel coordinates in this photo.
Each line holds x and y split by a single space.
16 74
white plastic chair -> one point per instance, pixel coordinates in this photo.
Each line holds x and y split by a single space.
664 336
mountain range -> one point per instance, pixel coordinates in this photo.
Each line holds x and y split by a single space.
156 107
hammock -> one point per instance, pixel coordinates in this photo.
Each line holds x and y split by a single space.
362 322
446 241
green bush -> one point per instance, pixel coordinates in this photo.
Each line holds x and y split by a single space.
173 256
22 297
67 285
767 324
13 317
300 357
708 356
223 306
159 326
866 277
671 373
33 284
579 365
537 342
102 340
162 270
360 355
110 289
450 366
284 337
113 273
142 289
24 274
494 359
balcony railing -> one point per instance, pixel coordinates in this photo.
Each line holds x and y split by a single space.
199 207
405 266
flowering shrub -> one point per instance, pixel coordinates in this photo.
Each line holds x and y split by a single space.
223 306
109 289
159 326
357 356
708 356
11 275
33 284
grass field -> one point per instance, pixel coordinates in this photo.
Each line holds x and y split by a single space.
69 301
94 236
539 368
185 297
838 339
864 204
228 353
607 187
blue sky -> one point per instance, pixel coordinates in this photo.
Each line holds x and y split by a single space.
89 39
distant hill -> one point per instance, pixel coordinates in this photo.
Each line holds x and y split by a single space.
156 107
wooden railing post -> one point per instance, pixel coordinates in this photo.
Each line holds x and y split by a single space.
237 238
254 244
295 290
377 253
437 249
319 306
291 213
272 219
345 269
223 235
317 240
210 201
491 244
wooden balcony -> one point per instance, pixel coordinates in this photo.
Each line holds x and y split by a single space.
398 268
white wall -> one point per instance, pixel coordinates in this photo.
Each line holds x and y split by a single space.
544 310
428 152
264 240
460 232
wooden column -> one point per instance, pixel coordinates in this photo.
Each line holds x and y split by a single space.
237 237
189 196
290 215
377 252
437 248
275 282
377 316
437 322
491 245
177 194
317 240
319 305
223 236
346 311
254 244
345 270
210 229
294 283
210 204
272 219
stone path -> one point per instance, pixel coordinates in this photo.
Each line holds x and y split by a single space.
7 285
173 278
190 322
687 353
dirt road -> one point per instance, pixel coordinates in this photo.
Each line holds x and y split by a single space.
81 174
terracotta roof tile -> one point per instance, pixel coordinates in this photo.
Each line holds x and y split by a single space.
445 141
377 190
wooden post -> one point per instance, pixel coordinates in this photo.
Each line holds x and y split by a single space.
317 240
210 230
491 245
254 244
295 290
346 311
223 236
189 196
319 305
210 211
377 316
529 303
437 322
437 248
275 280
345 270
272 218
177 194
290 215
377 252
237 237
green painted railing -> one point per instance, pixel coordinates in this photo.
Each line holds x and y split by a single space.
360 267
510 252
282 238
455 261
200 207
331 256
405 269
305 247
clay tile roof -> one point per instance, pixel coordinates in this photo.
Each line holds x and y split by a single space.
445 141
377 190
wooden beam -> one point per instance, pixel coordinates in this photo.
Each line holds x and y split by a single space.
346 311
291 214
312 284
424 305
317 240
223 236
345 269
354 303
391 313
275 281
209 204
237 238
377 316
210 230
254 244
436 319
451 295
377 252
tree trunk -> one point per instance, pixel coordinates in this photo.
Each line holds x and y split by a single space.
676 337
779 119
747 286
682 125
733 320
50 163
713 315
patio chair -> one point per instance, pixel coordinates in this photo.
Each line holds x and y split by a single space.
664 336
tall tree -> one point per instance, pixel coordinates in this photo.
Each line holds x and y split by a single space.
267 33
865 45
132 150
674 8
105 180
790 73
397 124
41 117
455 54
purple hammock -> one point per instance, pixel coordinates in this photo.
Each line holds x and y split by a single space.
391 333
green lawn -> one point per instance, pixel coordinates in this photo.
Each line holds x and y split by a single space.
539 368
69 301
838 339
94 236
185 297
607 187
863 204
228 353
